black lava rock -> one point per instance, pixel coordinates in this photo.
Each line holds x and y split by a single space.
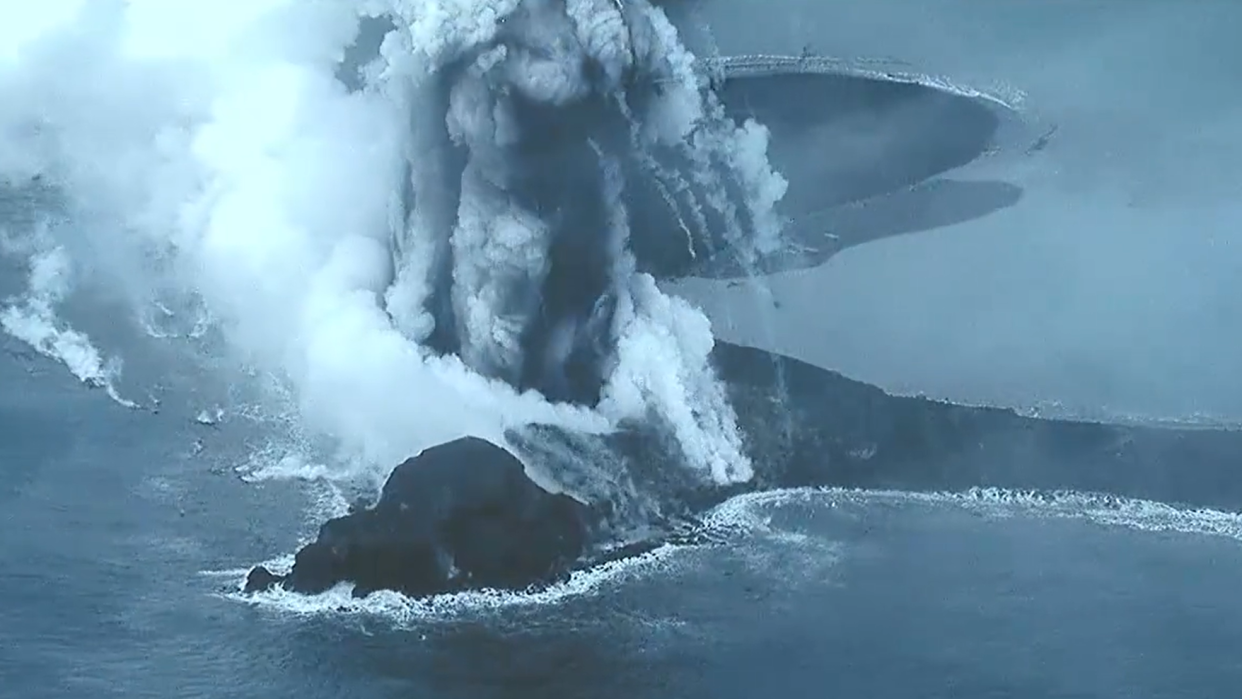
460 515
260 578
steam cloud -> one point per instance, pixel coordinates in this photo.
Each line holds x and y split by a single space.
439 249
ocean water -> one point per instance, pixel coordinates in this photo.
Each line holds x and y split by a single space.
121 547
207 239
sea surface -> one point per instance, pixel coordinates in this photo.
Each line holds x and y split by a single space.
126 534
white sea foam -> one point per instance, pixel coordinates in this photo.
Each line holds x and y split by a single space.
1102 509
403 610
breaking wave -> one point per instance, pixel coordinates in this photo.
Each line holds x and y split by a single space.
415 214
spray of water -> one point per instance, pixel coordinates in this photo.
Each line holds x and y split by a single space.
434 247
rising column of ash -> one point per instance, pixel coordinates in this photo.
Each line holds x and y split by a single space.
528 132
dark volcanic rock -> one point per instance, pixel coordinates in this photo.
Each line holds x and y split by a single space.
261 578
808 426
459 515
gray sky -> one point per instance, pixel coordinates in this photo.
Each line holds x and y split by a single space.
1112 284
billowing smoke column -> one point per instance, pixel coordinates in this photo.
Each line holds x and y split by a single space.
530 278
441 250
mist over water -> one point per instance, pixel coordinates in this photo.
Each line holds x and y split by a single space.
411 214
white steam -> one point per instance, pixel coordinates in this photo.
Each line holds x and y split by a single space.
32 319
213 150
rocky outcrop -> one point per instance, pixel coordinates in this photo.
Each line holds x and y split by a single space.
459 515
